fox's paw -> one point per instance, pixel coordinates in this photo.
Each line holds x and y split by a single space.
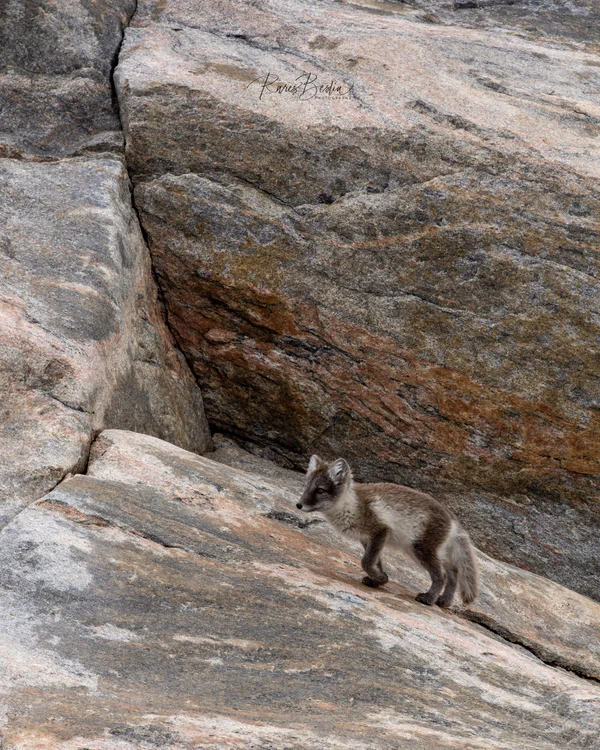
424 598
371 583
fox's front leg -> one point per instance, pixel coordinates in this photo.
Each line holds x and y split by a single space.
371 562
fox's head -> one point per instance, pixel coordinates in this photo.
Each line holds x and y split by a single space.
324 484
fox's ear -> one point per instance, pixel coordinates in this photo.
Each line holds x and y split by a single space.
339 471
313 464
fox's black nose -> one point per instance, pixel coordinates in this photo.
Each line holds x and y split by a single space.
299 506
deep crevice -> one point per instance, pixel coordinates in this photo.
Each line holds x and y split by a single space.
161 298
155 276
113 66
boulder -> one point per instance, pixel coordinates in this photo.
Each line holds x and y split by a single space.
83 344
167 600
377 237
56 60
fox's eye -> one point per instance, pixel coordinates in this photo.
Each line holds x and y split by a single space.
321 491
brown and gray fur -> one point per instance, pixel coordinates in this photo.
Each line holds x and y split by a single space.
380 514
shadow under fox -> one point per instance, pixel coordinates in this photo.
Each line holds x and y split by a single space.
380 514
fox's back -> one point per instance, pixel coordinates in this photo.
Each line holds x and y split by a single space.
405 511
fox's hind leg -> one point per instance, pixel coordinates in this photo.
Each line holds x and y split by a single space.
434 568
426 551
445 600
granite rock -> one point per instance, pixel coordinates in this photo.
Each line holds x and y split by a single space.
399 267
166 600
56 60
83 344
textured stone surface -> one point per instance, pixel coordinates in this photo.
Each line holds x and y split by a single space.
57 116
569 21
226 451
560 626
169 601
82 341
407 275
56 59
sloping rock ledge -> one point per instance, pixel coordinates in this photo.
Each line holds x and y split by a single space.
168 600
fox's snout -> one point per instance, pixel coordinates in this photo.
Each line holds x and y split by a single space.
299 506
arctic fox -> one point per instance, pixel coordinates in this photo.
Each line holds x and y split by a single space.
380 514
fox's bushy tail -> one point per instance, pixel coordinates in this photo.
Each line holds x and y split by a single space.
461 556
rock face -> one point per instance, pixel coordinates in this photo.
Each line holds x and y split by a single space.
82 341
375 230
56 59
165 600
377 236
